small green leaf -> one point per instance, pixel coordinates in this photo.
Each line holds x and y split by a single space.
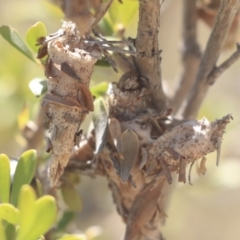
45 212
24 173
34 32
106 26
12 36
123 13
5 180
102 63
2 232
130 146
99 90
72 178
36 216
26 201
100 121
38 86
71 197
10 231
9 213
67 217
73 237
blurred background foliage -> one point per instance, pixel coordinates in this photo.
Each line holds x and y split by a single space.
210 209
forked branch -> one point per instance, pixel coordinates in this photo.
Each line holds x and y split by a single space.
217 72
226 13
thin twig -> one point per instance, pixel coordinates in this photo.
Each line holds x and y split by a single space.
104 45
147 46
119 50
34 141
217 72
110 42
226 13
191 53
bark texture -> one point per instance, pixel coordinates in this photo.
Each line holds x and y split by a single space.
69 68
136 142
226 13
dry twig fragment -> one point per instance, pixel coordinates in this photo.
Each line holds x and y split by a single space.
218 150
189 173
100 122
115 132
182 171
68 99
202 168
144 157
191 140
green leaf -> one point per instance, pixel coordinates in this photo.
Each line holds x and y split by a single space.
106 26
36 216
102 63
100 121
38 86
99 90
26 204
12 36
9 213
123 13
66 218
2 232
45 213
130 146
73 237
34 32
24 173
71 197
5 180
72 178
10 231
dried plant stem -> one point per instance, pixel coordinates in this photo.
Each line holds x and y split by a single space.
226 13
148 48
191 54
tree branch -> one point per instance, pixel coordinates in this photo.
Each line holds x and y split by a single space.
217 72
79 11
148 48
191 53
226 13
143 209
